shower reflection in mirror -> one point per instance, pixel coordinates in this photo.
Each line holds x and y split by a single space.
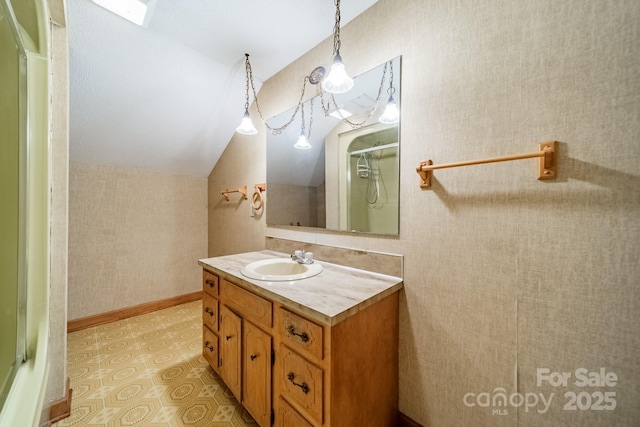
371 179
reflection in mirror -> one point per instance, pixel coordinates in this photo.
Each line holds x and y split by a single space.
347 176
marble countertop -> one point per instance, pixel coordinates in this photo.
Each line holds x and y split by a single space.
330 297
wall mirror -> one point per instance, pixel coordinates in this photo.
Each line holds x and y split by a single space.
347 177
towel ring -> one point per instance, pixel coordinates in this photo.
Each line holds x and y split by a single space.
256 199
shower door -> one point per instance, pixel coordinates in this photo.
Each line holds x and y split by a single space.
12 198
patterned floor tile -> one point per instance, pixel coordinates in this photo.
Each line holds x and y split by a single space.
148 370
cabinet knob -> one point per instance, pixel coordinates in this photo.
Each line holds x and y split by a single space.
208 311
209 283
303 336
253 357
291 377
228 337
209 346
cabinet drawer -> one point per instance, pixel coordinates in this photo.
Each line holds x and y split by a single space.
250 306
288 417
210 312
300 333
210 283
210 348
301 382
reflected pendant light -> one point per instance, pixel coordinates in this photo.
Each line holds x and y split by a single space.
391 113
246 126
338 81
303 141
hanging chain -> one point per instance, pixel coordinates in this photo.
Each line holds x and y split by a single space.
356 125
325 107
247 71
249 78
391 89
310 118
302 116
336 30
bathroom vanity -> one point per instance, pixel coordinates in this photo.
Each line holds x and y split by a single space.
321 351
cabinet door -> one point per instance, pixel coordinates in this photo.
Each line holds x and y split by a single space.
230 346
256 386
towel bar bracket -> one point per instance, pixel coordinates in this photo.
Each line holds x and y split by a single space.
425 175
548 162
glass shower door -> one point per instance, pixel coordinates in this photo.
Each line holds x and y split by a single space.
12 198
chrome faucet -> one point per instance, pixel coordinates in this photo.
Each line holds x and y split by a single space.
302 257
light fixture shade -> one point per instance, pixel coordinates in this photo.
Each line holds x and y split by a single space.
338 81
246 125
303 143
391 113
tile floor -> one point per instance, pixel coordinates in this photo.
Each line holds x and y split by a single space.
148 371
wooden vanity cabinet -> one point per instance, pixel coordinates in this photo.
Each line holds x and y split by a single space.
240 336
293 371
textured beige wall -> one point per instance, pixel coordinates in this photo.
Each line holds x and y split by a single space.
504 274
135 236
233 227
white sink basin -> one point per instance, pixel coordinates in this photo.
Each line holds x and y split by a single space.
280 270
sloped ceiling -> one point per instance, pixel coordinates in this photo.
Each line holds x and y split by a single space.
168 96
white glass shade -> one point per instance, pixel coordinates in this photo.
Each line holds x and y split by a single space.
246 125
391 113
303 143
338 81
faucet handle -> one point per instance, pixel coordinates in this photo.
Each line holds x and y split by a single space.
297 254
308 256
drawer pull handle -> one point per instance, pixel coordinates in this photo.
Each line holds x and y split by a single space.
303 386
209 346
303 336
209 283
253 357
208 311
228 337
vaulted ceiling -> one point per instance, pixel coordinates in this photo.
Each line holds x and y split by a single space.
168 96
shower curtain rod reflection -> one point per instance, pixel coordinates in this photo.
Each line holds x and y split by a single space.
376 148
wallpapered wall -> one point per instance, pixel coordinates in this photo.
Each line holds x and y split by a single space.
135 236
504 274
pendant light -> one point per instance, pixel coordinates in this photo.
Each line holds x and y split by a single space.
338 81
303 140
246 126
391 113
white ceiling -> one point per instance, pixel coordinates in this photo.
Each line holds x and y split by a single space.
168 96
